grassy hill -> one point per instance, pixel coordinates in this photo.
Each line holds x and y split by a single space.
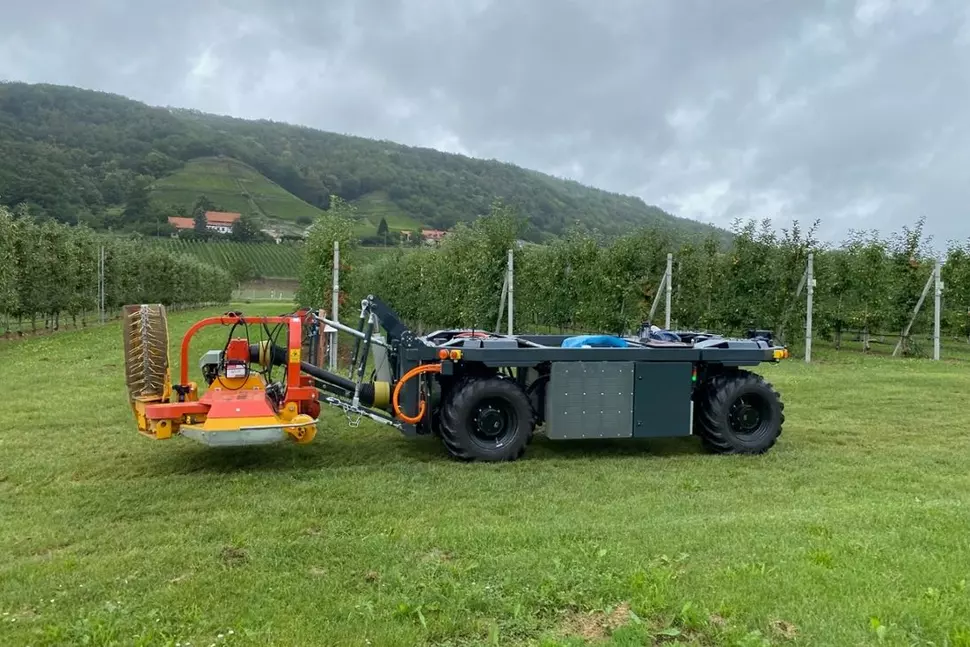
236 186
376 205
82 156
233 186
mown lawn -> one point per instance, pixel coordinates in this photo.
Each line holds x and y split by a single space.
853 531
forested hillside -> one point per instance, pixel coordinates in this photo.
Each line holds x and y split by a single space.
82 156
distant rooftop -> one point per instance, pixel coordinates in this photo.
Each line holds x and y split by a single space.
221 217
181 223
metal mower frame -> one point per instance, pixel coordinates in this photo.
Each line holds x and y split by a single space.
483 394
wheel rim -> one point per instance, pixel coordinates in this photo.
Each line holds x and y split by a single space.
749 415
493 422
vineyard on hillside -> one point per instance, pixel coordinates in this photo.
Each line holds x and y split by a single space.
51 270
266 260
233 186
866 286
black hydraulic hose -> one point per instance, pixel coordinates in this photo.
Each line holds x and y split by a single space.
326 376
363 360
278 357
339 382
364 315
277 354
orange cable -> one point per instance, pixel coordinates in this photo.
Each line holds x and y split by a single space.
417 370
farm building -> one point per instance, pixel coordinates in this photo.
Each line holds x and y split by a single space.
218 221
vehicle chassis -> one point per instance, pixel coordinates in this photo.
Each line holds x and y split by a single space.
488 392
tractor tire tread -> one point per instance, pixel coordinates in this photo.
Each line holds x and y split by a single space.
714 400
460 398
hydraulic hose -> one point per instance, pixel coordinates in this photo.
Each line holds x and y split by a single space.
371 394
266 354
326 376
417 370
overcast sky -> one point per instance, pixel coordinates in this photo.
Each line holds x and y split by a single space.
852 112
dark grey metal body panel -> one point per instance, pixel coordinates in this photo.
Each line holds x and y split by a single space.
590 400
662 404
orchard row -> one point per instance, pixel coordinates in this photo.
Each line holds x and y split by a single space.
52 270
866 285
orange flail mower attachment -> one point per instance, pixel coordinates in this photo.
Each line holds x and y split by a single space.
237 407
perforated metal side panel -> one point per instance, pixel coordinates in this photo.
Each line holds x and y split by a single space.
590 400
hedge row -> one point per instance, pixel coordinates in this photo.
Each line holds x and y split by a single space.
50 270
867 284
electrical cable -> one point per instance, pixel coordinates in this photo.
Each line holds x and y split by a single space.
417 370
271 338
272 342
225 349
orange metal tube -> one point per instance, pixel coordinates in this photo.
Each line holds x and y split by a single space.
227 320
295 343
417 370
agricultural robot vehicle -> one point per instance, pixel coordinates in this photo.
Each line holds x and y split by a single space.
483 394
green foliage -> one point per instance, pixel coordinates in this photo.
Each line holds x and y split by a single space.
69 151
199 223
245 230
50 269
84 276
138 207
9 271
956 277
866 286
242 270
458 283
200 206
316 276
475 283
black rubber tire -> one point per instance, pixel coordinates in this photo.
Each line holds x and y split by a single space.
719 427
508 402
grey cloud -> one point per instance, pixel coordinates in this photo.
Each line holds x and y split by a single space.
855 113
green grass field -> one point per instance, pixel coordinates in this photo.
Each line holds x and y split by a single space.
852 531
